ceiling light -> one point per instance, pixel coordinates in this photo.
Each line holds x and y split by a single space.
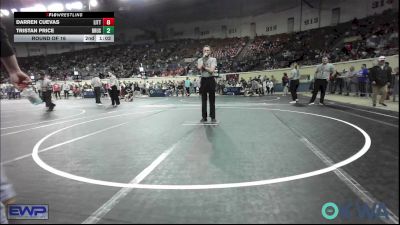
4 12
56 7
93 3
35 8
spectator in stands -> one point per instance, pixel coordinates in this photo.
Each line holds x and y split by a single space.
380 80
57 90
362 80
38 89
106 89
390 71
17 93
255 85
122 88
76 90
243 82
351 81
331 83
136 89
65 88
187 86
285 83
196 86
273 79
260 90
166 58
339 81
220 87
180 88
2 91
147 88
395 81
270 87
10 92
322 73
264 85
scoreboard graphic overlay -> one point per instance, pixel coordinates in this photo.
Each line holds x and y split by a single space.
64 26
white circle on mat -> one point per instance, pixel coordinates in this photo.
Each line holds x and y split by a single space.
333 167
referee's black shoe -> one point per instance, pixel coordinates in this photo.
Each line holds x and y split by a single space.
203 120
51 107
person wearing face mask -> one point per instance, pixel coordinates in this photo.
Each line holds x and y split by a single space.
322 73
207 66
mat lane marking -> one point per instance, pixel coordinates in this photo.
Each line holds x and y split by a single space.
24 125
96 216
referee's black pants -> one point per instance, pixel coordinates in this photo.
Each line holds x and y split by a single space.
319 84
114 93
46 97
97 93
294 84
207 86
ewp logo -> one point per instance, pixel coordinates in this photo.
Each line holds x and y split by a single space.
330 211
28 212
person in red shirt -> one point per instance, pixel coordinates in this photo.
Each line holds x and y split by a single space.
57 90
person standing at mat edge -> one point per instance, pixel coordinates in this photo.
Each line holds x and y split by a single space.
380 78
65 88
114 91
206 65
96 83
294 82
187 86
321 78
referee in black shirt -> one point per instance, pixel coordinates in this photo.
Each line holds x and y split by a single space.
207 66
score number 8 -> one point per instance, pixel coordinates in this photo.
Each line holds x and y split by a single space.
108 21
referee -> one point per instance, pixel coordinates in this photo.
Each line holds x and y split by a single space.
97 85
294 82
322 73
45 85
207 65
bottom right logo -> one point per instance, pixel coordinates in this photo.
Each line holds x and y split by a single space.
349 210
